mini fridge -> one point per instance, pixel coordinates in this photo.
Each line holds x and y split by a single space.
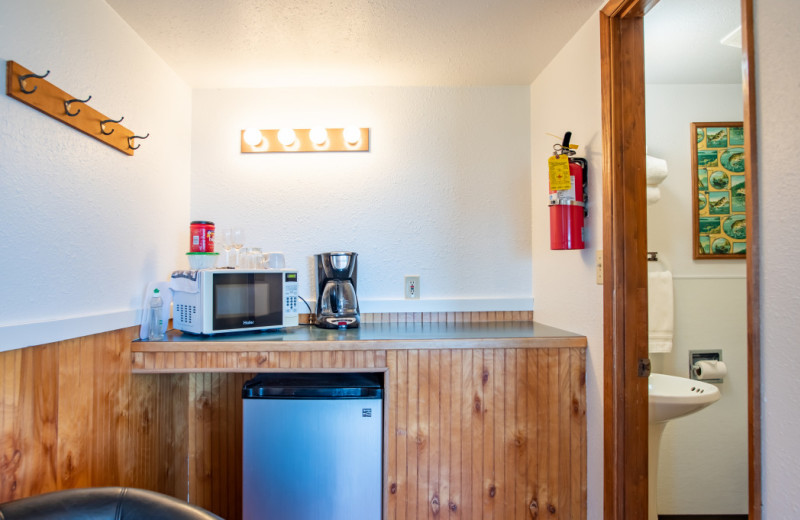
312 446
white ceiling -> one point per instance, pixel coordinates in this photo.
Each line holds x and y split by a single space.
682 42
267 43
277 43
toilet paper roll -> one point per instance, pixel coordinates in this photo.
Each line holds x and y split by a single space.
710 369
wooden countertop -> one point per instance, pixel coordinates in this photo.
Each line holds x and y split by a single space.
373 336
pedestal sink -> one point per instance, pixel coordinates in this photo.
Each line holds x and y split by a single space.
670 397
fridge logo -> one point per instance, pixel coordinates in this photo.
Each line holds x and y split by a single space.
248 322
366 412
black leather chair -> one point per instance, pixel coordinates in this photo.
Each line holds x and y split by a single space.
106 503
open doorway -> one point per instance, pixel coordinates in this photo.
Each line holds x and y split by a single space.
692 75
625 249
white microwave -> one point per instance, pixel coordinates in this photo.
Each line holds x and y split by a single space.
235 300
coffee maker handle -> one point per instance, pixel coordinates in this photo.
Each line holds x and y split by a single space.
335 299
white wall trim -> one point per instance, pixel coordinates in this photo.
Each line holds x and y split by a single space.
42 332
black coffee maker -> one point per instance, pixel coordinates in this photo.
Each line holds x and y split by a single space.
337 304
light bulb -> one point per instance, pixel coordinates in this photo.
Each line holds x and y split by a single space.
253 137
352 134
318 135
286 136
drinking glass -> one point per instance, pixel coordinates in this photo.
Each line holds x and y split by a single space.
255 258
227 244
237 236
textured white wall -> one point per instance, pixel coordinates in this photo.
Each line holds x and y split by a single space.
670 110
84 226
566 96
777 89
703 459
443 192
710 313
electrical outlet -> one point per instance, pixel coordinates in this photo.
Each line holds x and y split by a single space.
599 261
412 287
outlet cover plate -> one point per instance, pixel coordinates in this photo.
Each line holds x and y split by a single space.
412 287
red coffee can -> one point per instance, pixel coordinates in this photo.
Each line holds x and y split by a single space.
202 239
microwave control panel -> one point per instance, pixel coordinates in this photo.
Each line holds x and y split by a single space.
290 316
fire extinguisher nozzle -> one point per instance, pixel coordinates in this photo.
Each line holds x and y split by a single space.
565 142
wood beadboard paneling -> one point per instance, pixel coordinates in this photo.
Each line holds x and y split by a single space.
471 433
436 317
445 317
64 416
481 433
159 430
215 442
71 415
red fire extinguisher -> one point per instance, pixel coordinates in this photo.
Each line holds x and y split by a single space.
567 197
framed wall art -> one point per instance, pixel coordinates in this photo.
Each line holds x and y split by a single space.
718 185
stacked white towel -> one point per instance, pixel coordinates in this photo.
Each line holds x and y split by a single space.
660 311
656 170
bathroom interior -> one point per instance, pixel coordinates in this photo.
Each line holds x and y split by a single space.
703 462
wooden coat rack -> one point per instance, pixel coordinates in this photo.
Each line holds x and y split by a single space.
33 90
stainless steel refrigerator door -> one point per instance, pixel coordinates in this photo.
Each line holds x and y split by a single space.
312 459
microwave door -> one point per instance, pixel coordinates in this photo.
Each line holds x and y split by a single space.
268 299
231 301
244 301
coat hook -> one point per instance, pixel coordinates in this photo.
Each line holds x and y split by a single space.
26 76
103 125
131 138
67 103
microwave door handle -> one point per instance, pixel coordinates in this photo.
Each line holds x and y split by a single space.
251 296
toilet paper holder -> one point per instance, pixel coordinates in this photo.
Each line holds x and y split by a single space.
703 355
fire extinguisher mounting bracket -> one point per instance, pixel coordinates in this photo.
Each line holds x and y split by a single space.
566 203
585 167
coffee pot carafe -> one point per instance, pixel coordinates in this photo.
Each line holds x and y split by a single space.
337 303
339 298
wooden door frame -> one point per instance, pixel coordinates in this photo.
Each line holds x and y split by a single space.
625 264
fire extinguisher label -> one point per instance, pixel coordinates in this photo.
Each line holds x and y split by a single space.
559 173
565 195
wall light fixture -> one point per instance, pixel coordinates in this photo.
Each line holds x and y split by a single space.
318 135
317 139
253 137
286 137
